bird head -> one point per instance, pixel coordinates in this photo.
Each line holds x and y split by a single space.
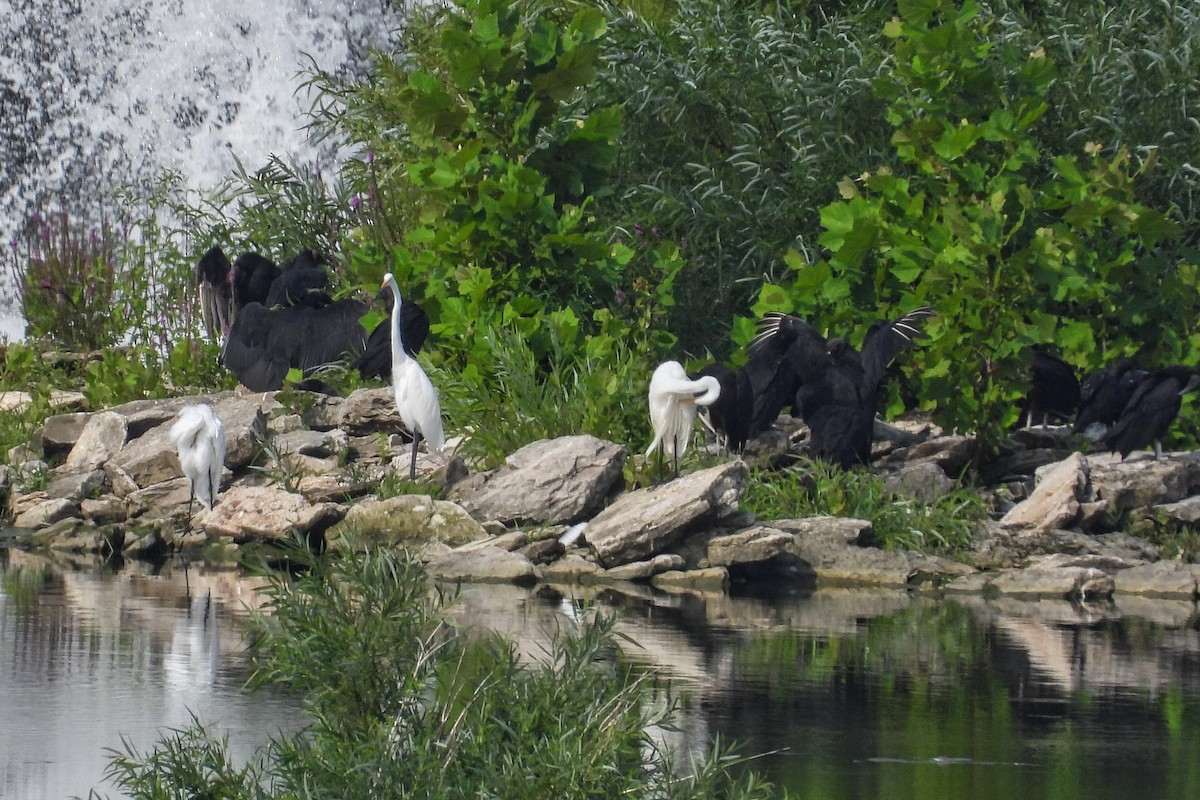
388 280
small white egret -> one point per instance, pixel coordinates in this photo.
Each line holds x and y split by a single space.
199 439
416 399
673 405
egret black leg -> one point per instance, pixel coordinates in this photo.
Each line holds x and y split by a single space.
412 464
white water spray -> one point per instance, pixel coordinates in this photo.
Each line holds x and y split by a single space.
108 93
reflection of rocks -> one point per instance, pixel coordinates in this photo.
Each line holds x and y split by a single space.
316 467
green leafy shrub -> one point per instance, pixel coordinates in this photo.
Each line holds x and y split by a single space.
1013 246
402 705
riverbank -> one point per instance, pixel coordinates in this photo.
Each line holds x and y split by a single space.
332 470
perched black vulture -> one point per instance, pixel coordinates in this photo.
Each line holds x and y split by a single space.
1053 391
834 386
786 352
213 276
839 433
1105 393
730 414
253 275
264 343
304 283
1149 413
376 360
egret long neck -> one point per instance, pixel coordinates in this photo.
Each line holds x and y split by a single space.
398 354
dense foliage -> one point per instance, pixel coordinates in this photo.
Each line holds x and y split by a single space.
400 706
575 192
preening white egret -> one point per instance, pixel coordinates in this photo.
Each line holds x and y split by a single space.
199 439
416 399
674 398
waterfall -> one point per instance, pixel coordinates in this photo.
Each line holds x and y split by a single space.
103 94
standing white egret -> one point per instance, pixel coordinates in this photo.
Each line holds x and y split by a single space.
199 439
416 399
673 405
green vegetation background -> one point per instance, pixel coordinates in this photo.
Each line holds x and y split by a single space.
575 192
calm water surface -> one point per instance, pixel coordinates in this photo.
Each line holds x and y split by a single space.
847 694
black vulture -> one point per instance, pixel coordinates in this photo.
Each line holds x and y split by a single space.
213 277
376 359
1149 413
264 343
304 283
1105 393
839 433
253 275
834 386
1053 391
786 352
729 415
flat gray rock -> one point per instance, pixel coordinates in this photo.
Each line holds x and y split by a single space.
549 481
645 522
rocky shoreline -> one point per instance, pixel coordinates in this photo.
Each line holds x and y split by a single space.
307 465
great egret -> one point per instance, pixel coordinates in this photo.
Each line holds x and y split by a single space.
1053 389
1105 393
674 398
416 399
1151 410
199 439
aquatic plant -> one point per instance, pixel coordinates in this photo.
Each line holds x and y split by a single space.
403 705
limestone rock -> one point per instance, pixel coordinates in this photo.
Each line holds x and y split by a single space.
338 487
543 551
265 514
830 551
756 545
1185 512
1071 582
712 579
1141 481
923 480
370 410
59 433
103 510
571 568
647 521
101 438
46 512
1160 579
411 519
1055 501
483 564
320 444
74 483
551 480
644 570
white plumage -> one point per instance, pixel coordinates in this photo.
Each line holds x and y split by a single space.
199 439
416 399
674 398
